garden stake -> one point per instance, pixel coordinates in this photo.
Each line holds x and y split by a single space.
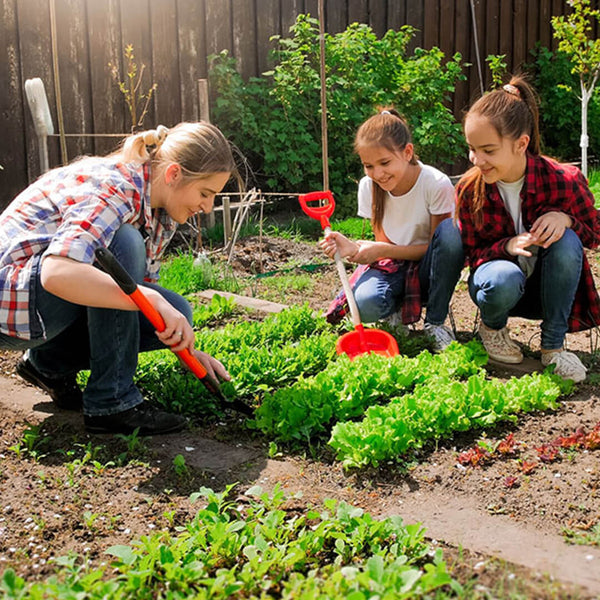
113 267
361 340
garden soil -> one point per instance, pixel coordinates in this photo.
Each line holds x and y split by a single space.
61 502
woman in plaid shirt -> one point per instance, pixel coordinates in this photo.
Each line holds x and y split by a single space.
525 220
69 315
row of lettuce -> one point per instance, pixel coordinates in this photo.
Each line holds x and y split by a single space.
370 410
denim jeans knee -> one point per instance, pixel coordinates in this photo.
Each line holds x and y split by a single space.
377 294
496 287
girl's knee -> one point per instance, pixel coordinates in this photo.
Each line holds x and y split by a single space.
448 236
567 251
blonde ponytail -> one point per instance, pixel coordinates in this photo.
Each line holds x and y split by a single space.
142 146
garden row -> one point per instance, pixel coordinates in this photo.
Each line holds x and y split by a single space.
371 410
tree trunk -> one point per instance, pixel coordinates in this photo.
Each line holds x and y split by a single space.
585 98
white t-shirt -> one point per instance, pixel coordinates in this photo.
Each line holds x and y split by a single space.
511 196
406 218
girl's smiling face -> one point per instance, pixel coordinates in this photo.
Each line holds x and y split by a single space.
388 169
498 158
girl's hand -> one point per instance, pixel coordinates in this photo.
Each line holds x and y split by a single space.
368 252
517 246
213 367
336 241
550 228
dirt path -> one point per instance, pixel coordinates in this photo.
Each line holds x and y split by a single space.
458 519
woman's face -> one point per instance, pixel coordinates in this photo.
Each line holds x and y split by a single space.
184 200
386 168
498 158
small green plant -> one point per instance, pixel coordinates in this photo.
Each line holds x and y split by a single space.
590 537
180 467
138 100
497 66
31 443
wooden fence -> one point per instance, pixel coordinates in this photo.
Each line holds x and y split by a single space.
80 39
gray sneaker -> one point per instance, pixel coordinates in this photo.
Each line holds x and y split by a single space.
442 336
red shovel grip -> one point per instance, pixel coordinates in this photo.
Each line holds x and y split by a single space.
321 212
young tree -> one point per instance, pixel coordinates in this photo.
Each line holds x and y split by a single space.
574 35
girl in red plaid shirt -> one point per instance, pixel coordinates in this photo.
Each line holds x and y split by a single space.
525 220
68 314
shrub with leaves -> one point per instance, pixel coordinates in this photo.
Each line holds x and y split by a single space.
276 119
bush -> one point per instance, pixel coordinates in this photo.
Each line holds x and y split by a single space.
560 107
275 119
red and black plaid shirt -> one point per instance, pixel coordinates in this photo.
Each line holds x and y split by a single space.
549 186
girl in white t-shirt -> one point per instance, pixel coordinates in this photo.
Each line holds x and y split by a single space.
417 255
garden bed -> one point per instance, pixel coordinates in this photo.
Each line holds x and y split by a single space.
65 495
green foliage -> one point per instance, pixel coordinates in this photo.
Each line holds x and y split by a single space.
437 408
276 120
497 66
257 550
560 115
594 181
186 274
260 357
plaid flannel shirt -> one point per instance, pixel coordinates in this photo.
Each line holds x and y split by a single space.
548 186
69 212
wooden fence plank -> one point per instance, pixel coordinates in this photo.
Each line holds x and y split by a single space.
243 18
337 15
545 31
396 14
505 42
167 98
520 46
358 11
290 9
35 48
268 23
105 48
414 16
533 25
431 16
378 16
482 18
191 35
218 26
447 31
464 41
136 30
12 109
73 60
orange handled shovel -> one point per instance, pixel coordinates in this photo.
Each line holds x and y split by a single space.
361 340
113 267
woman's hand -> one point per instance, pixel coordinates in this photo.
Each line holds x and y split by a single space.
336 241
550 228
213 367
178 333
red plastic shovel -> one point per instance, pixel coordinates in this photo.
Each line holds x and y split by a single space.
361 340
113 267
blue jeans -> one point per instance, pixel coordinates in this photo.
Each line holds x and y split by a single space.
105 341
499 288
380 294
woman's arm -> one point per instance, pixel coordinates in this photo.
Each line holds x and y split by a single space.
82 283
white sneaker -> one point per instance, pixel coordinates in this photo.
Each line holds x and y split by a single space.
568 365
442 336
499 346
